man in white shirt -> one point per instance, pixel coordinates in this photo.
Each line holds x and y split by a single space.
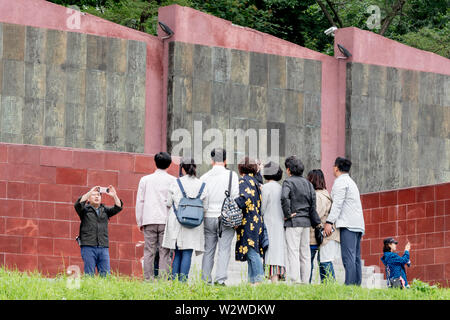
347 215
217 181
152 213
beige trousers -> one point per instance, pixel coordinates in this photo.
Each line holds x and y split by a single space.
298 254
153 236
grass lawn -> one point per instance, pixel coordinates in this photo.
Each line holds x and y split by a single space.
32 286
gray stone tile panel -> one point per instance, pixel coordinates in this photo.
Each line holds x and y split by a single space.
240 67
35 80
77 50
96 49
117 56
259 69
410 85
11 117
312 75
35 49
181 58
311 110
56 47
258 103
137 59
240 100
201 95
221 98
13 78
295 75
294 108
13 42
377 81
54 122
55 83
75 86
202 65
277 106
221 60
277 71
33 121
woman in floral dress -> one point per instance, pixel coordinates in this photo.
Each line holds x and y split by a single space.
248 234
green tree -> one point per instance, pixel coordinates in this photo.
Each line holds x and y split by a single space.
423 24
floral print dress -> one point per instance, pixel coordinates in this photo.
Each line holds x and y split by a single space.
249 232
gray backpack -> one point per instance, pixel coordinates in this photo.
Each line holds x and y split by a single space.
190 210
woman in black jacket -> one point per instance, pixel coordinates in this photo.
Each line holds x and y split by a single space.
298 201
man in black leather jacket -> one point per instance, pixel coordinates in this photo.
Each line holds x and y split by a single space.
298 200
93 237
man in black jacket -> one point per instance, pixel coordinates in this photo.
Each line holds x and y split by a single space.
93 237
298 201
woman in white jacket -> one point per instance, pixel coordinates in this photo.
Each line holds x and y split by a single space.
272 212
178 237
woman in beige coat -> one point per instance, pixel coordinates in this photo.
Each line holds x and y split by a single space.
329 249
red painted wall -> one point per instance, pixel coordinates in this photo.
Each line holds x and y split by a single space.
38 187
420 215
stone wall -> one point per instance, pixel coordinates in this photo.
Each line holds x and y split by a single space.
70 89
234 89
397 127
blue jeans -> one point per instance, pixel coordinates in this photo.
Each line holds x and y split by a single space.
95 257
181 264
326 269
351 256
255 266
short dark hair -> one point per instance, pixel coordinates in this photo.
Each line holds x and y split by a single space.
295 165
189 166
317 178
247 166
272 171
163 160
218 155
343 164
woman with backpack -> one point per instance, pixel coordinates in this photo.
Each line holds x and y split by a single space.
248 234
184 235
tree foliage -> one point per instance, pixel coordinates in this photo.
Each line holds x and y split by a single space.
423 24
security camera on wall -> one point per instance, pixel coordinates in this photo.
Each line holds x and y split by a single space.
330 31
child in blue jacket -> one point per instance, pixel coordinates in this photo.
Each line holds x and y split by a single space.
394 263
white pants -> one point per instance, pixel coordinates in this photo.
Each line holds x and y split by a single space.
298 267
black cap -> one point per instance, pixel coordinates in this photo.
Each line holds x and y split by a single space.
390 240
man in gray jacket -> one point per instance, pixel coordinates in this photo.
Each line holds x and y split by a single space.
347 215
298 200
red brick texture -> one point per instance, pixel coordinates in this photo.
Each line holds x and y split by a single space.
419 215
38 187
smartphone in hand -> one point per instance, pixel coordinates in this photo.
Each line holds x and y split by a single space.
103 190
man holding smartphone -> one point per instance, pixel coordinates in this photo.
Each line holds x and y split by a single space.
93 237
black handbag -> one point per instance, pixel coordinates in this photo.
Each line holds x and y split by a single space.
318 234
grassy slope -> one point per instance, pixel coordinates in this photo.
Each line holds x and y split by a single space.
23 286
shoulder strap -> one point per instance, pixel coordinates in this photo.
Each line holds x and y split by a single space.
181 188
201 190
229 184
